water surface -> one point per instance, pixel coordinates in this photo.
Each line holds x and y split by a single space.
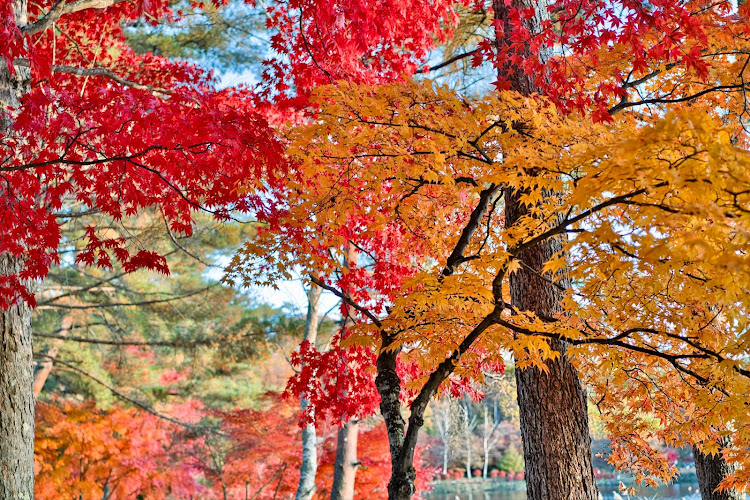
682 491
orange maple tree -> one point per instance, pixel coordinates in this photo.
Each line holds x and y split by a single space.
652 222
83 453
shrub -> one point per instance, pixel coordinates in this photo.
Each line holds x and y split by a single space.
512 461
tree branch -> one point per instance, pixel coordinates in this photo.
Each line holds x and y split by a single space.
72 70
165 343
338 293
129 304
61 8
449 61
120 394
457 255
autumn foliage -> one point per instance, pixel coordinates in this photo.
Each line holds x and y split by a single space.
86 453
654 216
135 131
626 145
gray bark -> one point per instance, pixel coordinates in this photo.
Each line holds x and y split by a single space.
711 469
441 412
16 368
470 423
554 418
346 463
45 366
16 397
488 436
309 467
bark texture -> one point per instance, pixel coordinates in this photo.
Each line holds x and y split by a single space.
309 467
16 397
16 368
554 418
711 469
346 464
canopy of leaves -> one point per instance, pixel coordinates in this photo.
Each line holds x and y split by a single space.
653 221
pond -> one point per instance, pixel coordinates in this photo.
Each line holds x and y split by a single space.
681 491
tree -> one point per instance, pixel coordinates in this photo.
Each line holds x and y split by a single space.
711 470
489 438
637 58
469 420
85 453
552 402
385 147
512 461
309 466
86 119
443 412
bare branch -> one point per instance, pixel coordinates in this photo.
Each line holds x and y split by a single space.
61 8
165 343
348 300
98 71
120 394
449 61
129 304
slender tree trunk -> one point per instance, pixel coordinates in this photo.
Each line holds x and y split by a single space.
16 397
485 442
346 464
554 418
306 486
45 366
711 469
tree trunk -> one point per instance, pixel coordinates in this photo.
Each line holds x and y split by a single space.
306 486
711 469
46 364
554 418
346 464
16 397
16 368
485 441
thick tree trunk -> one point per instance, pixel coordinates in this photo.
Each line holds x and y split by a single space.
16 397
346 464
306 486
711 469
554 418
16 368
